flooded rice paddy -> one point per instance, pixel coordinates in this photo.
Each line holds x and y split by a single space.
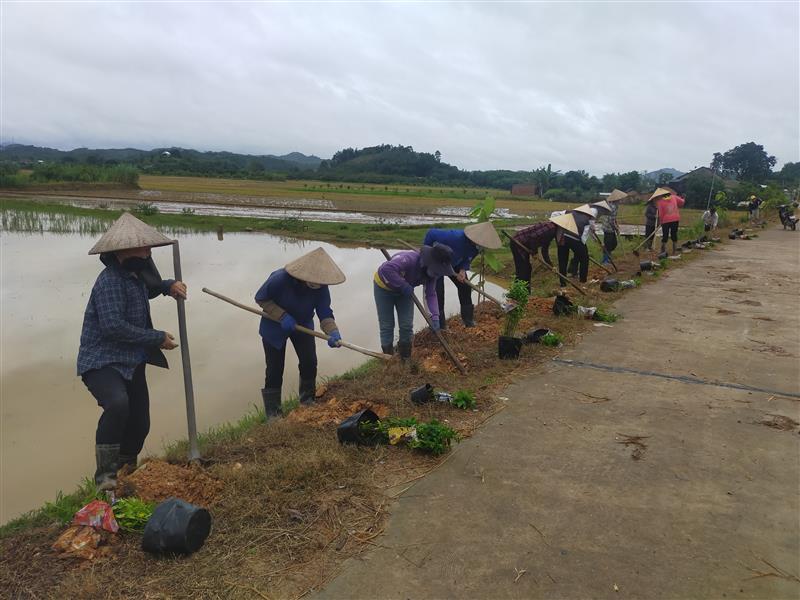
48 418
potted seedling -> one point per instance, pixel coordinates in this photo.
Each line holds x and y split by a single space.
509 345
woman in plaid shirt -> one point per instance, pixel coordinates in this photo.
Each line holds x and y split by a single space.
118 339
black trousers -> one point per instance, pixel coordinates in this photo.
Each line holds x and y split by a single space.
649 228
669 230
126 408
522 264
275 358
464 294
609 242
580 260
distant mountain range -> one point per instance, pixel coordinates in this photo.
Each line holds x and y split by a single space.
655 175
270 162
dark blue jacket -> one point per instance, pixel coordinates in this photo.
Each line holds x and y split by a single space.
297 299
463 249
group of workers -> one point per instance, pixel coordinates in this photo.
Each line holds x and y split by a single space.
118 338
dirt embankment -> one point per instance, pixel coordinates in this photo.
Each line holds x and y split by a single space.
289 503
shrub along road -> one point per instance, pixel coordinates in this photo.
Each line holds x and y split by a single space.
663 461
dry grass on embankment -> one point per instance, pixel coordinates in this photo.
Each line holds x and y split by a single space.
289 503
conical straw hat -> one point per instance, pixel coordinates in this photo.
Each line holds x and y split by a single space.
129 232
616 195
660 192
316 267
585 209
566 222
603 205
483 234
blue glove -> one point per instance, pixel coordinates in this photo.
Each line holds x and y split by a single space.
407 290
288 323
435 324
333 338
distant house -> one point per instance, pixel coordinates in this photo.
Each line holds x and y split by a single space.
523 189
679 183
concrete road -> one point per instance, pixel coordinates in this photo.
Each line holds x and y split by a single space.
640 469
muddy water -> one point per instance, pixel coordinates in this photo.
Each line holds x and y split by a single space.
47 416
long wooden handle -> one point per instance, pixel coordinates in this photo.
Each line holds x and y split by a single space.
602 266
299 328
466 281
645 240
436 332
536 256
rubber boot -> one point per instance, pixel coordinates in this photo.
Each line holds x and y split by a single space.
468 315
674 248
388 350
107 456
130 460
308 390
404 350
442 322
272 402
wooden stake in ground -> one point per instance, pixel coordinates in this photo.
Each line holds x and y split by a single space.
188 386
436 332
553 269
505 306
299 328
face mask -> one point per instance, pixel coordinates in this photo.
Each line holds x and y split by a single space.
313 286
134 264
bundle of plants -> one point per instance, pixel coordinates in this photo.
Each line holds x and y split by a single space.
509 345
132 513
551 339
432 437
605 316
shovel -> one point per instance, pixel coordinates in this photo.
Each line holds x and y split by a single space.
507 307
636 250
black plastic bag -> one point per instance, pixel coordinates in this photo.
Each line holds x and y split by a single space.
176 527
563 306
609 285
349 431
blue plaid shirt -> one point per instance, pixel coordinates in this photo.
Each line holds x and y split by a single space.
117 330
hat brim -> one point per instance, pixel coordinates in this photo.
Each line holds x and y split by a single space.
434 267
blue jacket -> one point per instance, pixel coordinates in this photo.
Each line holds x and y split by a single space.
297 299
463 249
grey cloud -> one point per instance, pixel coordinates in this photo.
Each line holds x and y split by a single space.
604 87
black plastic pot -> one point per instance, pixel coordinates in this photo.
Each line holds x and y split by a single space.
731 236
422 395
563 306
176 527
534 336
647 265
609 285
509 347
349 431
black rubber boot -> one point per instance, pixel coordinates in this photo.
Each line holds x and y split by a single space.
468 315
388 350
272 402
131 460
107 456
675 248
308 390
404 350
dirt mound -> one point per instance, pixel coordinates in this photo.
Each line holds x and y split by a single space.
157 480
333 411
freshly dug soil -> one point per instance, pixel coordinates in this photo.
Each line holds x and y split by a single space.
156 480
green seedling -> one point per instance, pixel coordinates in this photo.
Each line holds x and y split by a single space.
605 317
517 293
552 340
132 514
463 399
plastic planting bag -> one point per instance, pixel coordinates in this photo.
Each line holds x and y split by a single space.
176 527
97 514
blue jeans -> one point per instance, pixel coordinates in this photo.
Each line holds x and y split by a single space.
387 302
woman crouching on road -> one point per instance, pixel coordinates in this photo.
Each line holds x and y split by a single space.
393 285
291 296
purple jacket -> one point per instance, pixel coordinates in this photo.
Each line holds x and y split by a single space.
405 271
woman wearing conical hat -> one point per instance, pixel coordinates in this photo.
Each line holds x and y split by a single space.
571 237
465 244
291 296
534 237
393 286
585 217
667 202
608 221
118 339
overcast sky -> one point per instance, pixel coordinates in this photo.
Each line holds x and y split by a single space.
601 87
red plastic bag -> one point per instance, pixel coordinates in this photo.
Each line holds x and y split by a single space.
97 514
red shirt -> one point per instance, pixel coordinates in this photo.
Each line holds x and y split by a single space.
668 208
